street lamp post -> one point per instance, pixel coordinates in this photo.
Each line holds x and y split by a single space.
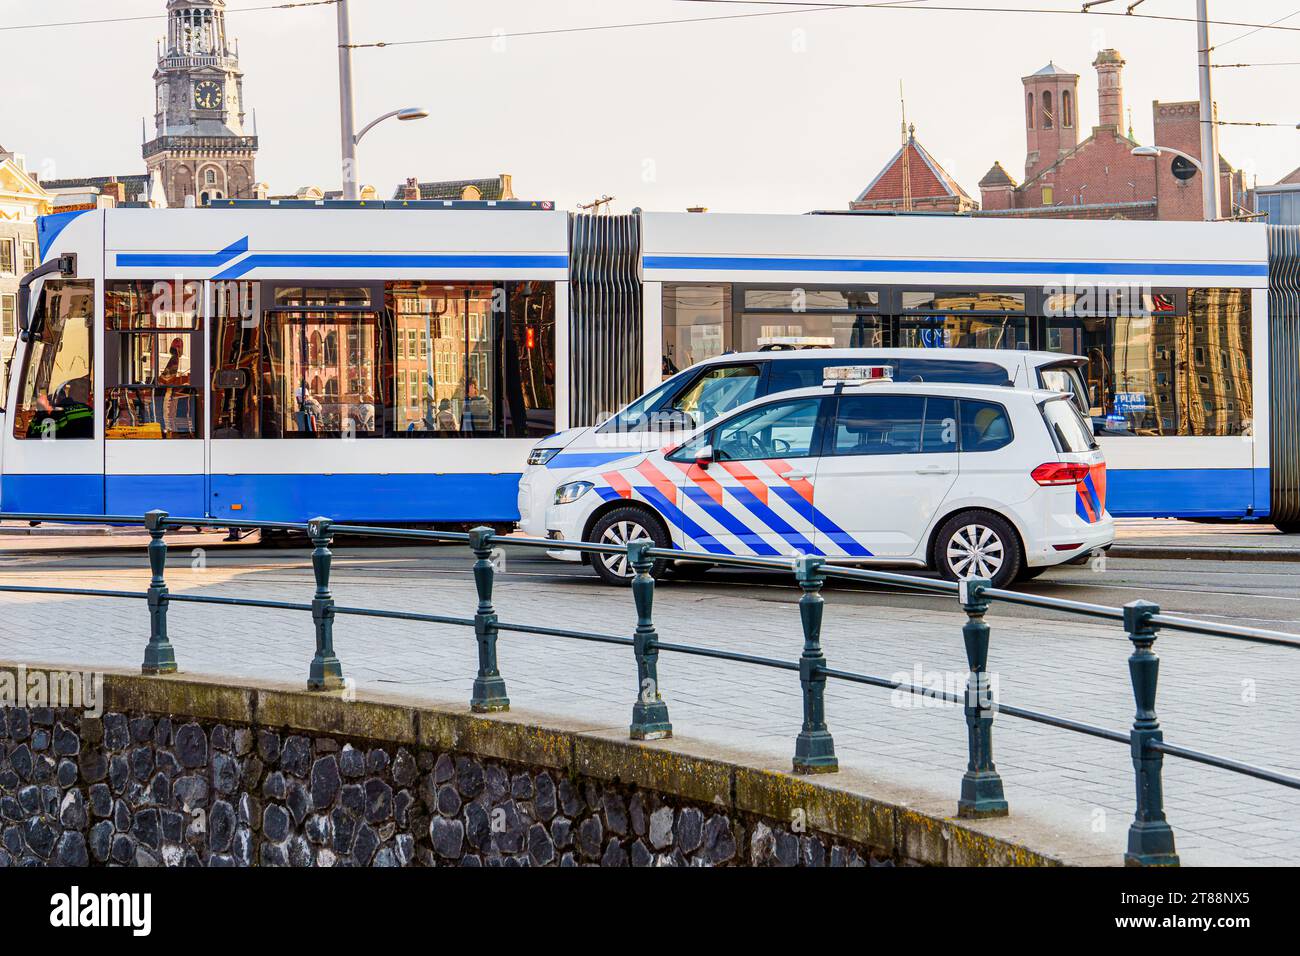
347 117
1209 124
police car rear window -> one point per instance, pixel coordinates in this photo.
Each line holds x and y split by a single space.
787 374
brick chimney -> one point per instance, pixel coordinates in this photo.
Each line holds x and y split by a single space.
411 190
116 190
1110 89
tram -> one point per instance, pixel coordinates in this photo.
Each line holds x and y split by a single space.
394 362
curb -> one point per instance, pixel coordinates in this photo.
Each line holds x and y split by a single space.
1202 553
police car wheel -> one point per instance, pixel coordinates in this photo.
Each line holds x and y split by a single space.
978 544
618 527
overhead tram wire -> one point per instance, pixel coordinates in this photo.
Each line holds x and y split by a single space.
160 16
1036 11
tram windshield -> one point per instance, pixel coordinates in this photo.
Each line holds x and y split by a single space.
56 389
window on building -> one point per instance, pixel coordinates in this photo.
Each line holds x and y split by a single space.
1047 109
1029 110
8 305
6 257
1049 195
29 256
56 386
1067 109
152 356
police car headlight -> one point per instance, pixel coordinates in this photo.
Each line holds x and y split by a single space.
540 456
571 492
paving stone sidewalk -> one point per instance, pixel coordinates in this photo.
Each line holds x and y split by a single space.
1230 698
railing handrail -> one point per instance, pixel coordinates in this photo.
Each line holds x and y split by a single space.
1150 838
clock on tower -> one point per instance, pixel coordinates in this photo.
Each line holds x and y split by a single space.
208 95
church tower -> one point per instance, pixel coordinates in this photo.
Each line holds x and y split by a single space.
201 147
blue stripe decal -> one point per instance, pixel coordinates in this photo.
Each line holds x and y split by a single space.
1093 498
821 522
748 538
674 515
1078 506
49 227
181 260
365 261
588 459
608 494
772 519
990 267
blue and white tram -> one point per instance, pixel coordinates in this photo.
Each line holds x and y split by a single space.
395 365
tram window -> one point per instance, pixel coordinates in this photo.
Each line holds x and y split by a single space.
56 386
532 323
152 342
458 377
759 329
236 359
696 324
326 394
963 331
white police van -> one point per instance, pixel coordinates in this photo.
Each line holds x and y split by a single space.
713 387
969 480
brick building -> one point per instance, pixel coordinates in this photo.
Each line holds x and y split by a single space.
1098 177
1065 177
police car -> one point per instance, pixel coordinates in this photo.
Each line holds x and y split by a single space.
715 386
968 480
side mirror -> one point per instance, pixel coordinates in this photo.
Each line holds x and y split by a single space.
704 457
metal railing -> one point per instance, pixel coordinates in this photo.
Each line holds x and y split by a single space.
1150 838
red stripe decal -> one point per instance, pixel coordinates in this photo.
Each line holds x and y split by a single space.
802 486
1099 483
659 480
747 478
618 483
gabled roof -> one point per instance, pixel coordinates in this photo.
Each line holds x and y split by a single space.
1052 70
928 178
997 176
1289 180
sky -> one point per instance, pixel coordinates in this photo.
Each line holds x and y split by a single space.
780 113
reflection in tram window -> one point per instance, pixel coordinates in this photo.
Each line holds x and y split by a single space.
236 351
334 391
696 324
531 308
446 335
1163 373
57 379
151 351
963 332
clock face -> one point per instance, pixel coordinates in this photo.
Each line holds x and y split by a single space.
208 95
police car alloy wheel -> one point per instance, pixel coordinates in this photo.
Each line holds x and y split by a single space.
618 527
978 544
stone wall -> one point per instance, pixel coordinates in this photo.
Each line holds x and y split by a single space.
182 771
135 790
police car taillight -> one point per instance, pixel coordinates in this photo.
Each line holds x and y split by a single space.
857 374
1059 473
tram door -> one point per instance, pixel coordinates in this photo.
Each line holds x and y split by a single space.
154 372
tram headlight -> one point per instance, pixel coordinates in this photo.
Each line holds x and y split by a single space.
571 492
540 456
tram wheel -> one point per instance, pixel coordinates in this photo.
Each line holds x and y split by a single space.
1287 527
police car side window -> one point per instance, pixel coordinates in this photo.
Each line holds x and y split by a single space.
776 430
950 371
894 425
984 426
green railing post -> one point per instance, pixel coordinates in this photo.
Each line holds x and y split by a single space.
981 785
650 712
814 749
1150 838
326 672
159 656
489 687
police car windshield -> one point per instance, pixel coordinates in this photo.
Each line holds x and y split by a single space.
635 417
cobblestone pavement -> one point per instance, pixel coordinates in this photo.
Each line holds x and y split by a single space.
1224 697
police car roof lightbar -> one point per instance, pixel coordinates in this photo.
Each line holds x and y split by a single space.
857 374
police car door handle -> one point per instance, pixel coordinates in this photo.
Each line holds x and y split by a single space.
934 470
796 475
